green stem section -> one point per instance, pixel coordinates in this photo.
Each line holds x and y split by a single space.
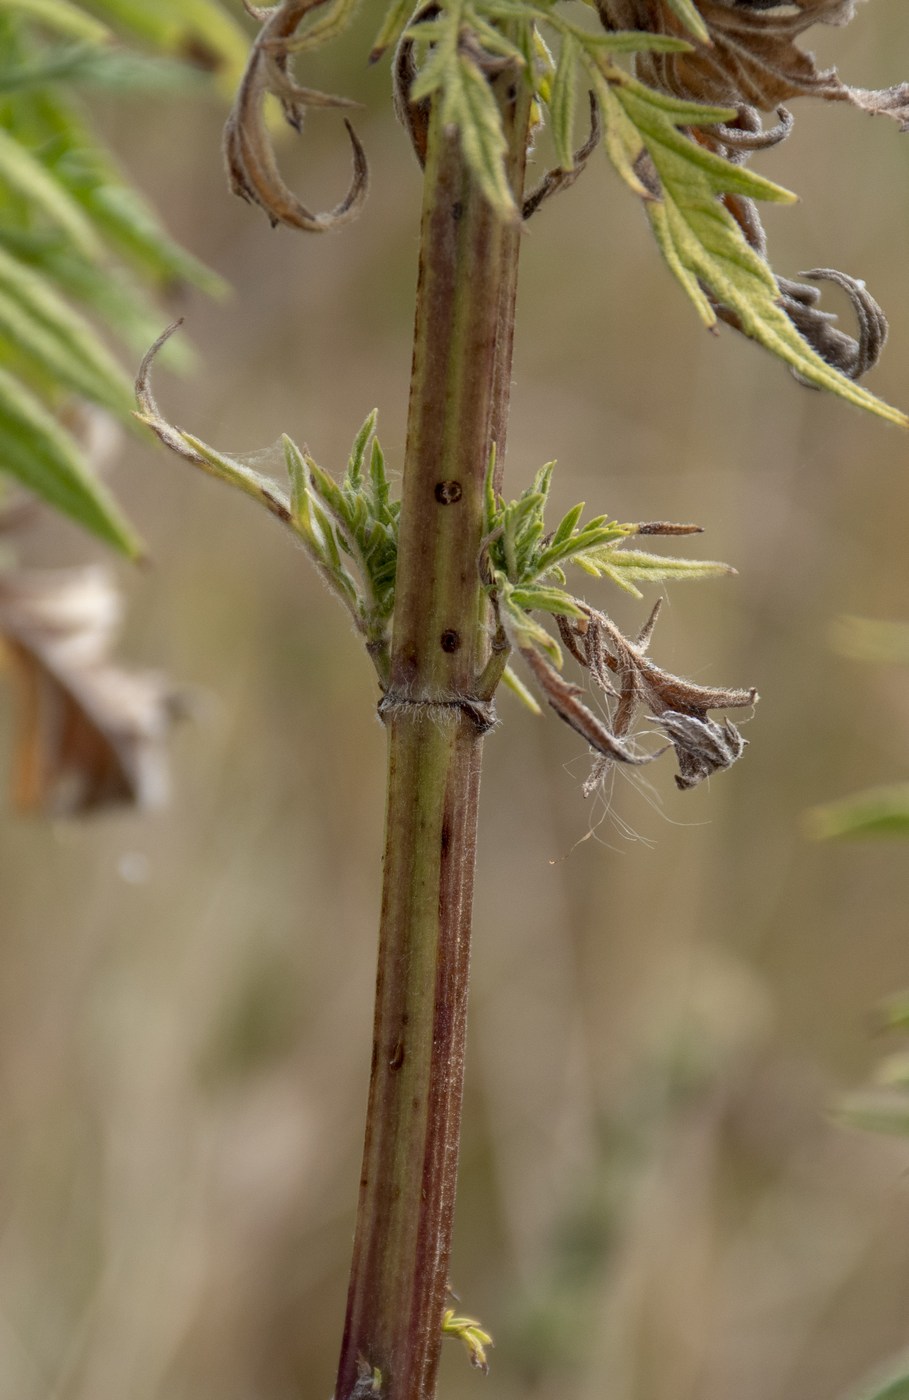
458 408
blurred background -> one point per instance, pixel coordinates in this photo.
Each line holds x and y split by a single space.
669 989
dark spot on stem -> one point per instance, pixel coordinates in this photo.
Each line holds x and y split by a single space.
397 1056
457 210
445 841
450 640
447 492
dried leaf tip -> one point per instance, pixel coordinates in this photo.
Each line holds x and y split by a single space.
632 682
251 165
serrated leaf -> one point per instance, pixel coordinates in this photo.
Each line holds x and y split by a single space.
466 101
704 246
882 811
23 173
39 323
41 456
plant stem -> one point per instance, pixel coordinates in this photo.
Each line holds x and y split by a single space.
458 408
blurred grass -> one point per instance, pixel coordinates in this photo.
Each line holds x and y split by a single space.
653 1204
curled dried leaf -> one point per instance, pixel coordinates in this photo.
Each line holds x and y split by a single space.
554 181
752 58
252 168
91 734
627 676
565 699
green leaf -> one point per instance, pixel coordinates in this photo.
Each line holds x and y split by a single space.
897 1389
562 102
686 12
865 639
118 70
23 173
466 99
566 526
701 242
38 322
123 216
882 811
875 1111
468 103
654 568
198 30
109 292
358 450
63 16
551 600
38 453
518 688
238 474
393 26
70 63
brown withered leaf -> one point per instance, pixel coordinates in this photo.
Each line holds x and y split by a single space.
251 165
753 59
628 677
90 734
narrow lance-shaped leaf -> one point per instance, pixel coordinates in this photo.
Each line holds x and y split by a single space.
37 452
703 244
38 322
882 811
63 16
22 172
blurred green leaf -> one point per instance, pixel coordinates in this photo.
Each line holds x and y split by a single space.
866 639
109 292
704 246
70 221
882 811
897 1389
63 16
39 454
200 32
36 321
71 62
28 177
393 26
875 1110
